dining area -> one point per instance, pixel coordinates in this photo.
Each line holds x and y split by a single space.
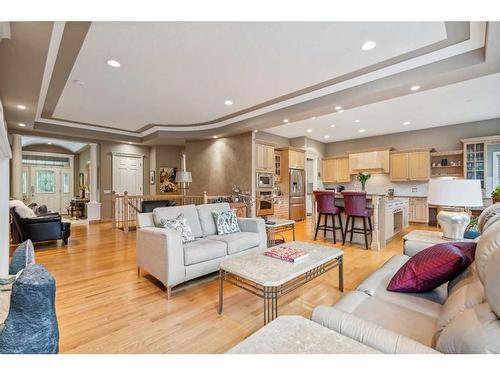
353 217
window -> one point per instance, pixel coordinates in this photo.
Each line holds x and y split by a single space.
24 182
66 181
45 182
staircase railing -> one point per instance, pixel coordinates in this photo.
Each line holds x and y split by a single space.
125 207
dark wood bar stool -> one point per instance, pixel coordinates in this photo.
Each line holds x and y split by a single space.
326 207
355 207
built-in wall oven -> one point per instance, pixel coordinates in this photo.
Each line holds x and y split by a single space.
265 180
264 203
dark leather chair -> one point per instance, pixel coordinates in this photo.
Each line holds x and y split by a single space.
47 227
325 206
355 207
149 206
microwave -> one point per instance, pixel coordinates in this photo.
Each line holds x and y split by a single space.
265 180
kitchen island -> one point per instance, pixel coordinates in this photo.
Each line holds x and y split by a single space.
385 210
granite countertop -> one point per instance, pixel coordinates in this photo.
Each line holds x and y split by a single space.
298 335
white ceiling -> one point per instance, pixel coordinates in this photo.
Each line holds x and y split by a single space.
472 100
181 73
33 140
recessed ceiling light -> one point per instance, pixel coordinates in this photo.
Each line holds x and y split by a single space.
332 126
228 102
309 130
49 143
340 111
357 121
415 88
113 63
285 121
338 107
368 45
362 130
20 106
22 125
215 137
327 136
255 131
130 143
406 123
313 118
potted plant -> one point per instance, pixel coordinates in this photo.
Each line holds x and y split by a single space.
495 194
363 177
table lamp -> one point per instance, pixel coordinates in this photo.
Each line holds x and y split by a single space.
454 195
184 179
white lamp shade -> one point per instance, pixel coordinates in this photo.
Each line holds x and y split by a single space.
183 176
455 192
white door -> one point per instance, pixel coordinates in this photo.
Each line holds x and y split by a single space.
45 185
127 175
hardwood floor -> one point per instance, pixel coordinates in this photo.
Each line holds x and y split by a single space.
104 307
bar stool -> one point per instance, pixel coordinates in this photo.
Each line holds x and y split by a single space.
355 206
326 206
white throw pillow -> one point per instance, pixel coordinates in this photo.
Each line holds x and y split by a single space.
21 209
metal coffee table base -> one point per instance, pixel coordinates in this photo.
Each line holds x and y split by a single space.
270 294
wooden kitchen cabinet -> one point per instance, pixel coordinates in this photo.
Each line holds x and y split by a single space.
419 210
336 170
277 166
296 159
399 166
281 208
419 165
410 166
264 158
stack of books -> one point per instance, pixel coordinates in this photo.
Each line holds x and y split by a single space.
286 253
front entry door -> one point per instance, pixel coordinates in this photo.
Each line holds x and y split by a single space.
45 185
127 175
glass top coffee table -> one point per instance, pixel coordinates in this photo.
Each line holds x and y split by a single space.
271 278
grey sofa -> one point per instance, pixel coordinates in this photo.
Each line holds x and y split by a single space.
459 317
161 251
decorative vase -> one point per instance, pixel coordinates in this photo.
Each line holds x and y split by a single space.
363 186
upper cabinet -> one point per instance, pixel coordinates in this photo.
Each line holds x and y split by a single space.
410 165
296 159
336 170
264 158
277 166
371 161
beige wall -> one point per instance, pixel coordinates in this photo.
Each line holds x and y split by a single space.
217 165
279 141
105 165
442 138
83 160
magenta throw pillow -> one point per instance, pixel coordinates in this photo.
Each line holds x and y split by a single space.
433 267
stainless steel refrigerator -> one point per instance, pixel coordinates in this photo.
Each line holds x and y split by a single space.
297 194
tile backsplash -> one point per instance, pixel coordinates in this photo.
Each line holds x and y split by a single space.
379 183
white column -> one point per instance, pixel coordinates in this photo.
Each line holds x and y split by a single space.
93 207
17 167
4 217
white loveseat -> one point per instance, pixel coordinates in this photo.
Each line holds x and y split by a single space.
161 252
459 317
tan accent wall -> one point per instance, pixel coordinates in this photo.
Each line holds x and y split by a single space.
442 138
217 165
165 156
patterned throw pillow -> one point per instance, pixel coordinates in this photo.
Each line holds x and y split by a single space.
226 222
180 225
